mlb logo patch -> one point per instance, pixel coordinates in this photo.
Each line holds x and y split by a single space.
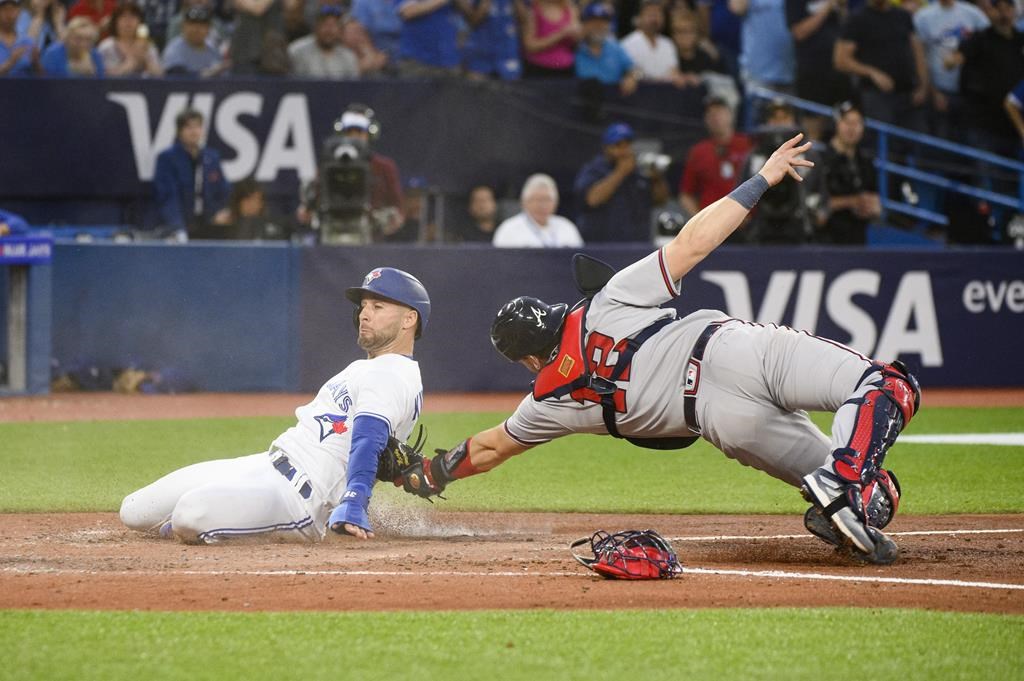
692 377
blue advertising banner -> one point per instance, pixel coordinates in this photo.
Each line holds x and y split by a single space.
234 317
454 134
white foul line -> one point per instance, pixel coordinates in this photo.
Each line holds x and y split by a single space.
770 574
733 537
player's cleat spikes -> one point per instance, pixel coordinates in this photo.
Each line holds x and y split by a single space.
831 497
818 525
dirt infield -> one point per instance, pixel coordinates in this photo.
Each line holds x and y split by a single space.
424 558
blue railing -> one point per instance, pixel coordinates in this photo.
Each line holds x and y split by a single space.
885 166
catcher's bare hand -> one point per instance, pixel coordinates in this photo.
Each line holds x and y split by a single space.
785 160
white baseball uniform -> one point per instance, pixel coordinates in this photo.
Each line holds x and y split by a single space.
286 493
751 385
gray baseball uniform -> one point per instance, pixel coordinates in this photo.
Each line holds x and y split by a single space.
751 385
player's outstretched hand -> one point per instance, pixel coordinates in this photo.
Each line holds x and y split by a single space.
785 160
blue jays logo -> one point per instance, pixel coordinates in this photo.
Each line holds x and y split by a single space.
375 274
331 424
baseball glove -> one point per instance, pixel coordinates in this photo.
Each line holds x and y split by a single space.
397 456
630 554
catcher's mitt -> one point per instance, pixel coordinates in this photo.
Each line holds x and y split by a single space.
398 456
630 554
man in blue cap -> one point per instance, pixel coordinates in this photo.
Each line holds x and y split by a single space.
614 194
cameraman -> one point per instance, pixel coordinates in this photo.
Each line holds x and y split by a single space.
787 212
376 211
615 192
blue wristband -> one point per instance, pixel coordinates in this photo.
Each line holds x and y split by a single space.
750 192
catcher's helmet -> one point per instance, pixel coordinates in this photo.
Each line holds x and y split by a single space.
397 286
630 554
527 326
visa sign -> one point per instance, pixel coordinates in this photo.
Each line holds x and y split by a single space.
288 146
910 327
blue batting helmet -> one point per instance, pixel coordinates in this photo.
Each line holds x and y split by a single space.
396 286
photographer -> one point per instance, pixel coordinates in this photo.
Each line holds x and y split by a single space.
616 192
787 212
357 197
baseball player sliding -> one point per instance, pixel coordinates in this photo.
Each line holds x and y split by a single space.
620 364
320 472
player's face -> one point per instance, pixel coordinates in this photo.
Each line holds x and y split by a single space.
380 323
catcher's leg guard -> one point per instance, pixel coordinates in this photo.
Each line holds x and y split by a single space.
851 492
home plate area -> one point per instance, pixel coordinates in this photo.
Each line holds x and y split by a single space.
435 560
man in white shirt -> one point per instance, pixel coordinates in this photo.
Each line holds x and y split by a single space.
653 54
537 226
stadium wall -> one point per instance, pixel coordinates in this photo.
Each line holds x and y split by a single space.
230 317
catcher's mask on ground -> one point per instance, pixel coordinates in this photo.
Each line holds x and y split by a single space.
630 554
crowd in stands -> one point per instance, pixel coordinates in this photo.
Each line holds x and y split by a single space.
946 67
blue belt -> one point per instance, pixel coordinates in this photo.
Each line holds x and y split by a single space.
285 468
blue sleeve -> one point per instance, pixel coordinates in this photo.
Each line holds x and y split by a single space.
369 437
167 200
54 60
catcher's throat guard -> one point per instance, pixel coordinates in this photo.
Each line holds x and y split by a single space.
630 554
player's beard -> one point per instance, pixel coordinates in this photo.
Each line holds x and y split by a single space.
374 341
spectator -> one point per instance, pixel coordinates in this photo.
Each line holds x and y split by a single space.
191 190
723 29
371 60
850 180
190 53
653 54
258 45
218 33
941 27
482 214
993 62
427 45
248 217
382 23
45 23
599 57
1014 105
76 57
537 226
695 58
321 55
767 58
815 27
157 15
614 195
127 52
879 46
416 223
96 11
550 36
492 47
713 164
15 52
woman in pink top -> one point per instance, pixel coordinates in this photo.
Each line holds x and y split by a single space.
549 41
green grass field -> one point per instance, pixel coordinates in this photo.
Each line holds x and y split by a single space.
91 466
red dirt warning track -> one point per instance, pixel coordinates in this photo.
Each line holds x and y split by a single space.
424 558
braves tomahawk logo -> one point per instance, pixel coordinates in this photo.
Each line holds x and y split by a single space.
374 274
331 424
539 315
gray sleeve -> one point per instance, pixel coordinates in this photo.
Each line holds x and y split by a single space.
534 423
645 283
